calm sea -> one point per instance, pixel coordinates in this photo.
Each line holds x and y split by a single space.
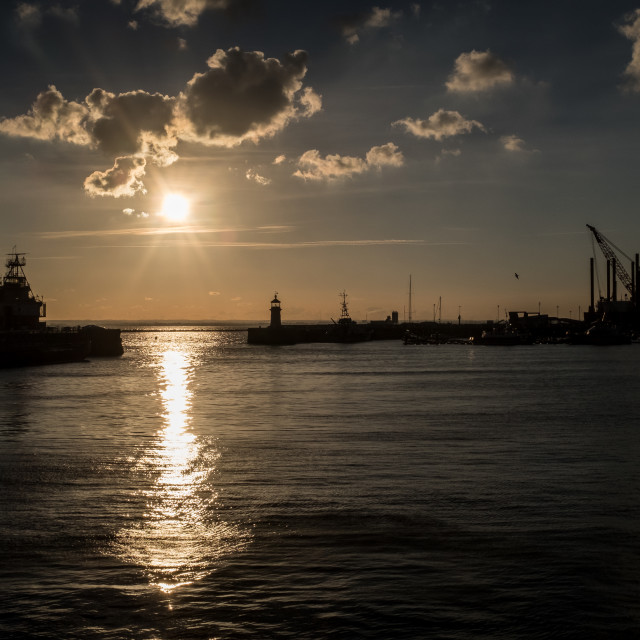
202 488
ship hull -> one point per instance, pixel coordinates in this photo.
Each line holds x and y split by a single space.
35 348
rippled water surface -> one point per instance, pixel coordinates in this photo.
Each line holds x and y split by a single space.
199 487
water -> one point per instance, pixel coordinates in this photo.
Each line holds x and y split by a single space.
201 488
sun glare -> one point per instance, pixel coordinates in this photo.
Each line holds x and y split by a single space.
175 208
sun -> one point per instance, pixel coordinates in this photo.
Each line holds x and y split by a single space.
175 208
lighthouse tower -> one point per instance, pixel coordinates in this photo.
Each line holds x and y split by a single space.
276 322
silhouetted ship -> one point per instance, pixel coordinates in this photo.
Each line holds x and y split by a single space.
346 329
25 341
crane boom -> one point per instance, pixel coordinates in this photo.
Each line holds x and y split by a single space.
610 254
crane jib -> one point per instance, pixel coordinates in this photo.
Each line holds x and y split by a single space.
607 249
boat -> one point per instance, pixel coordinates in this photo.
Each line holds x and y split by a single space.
346 329
26 341
504 334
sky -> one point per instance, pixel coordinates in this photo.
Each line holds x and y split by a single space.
185 159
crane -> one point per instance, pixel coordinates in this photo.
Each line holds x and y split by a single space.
607 247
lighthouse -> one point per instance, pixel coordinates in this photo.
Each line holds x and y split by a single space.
276 322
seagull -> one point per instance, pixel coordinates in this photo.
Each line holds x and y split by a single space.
517 276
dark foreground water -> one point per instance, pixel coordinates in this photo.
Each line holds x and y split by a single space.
202 488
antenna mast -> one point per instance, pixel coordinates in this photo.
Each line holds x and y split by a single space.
344 313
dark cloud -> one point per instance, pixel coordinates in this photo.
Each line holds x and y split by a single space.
243 96
122 121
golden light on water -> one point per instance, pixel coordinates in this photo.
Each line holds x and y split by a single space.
178 538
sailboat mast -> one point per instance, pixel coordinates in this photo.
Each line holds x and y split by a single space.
410 318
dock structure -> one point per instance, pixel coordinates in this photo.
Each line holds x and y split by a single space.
344 330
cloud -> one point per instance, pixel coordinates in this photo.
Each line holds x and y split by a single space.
513 143
189 230
214 293
386 154
310 101
28 15
243 96
176 13
329 167
280 159
133 122
314 167
257 178
123 179
132 212
478 71
352 25
51 118
70 14
442 124
631 30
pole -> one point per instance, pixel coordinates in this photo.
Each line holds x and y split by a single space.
591 268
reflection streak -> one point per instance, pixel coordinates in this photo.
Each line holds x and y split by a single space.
178 538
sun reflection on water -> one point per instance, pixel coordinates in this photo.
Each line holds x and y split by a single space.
178 538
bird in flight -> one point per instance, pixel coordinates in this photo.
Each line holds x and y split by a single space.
517 276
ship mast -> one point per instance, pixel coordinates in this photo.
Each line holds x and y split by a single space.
15 274
344 313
